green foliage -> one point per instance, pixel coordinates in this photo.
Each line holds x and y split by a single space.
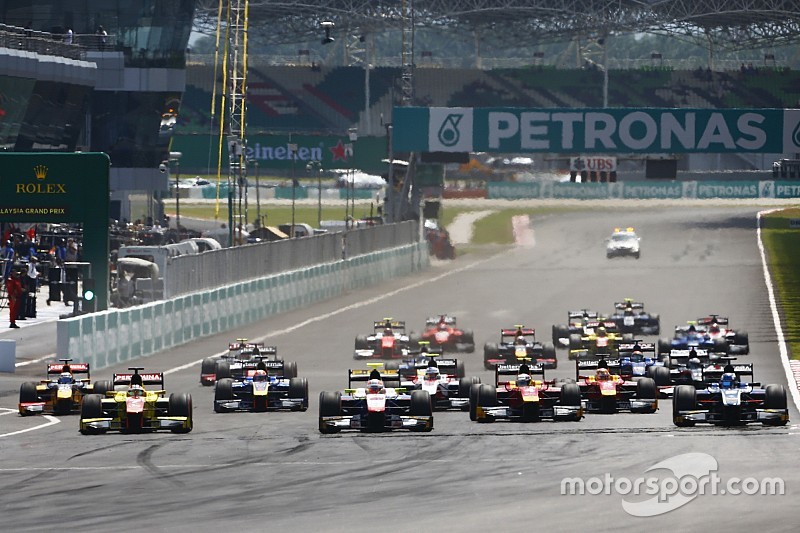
783 255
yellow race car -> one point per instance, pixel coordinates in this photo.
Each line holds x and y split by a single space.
599 339
61 393
132 408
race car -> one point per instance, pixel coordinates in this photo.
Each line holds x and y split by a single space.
517 345
716 327
441 331
623 242
239 361
443 379
388 341
604 392
133 407
524 398
600 338
730 401
638 360
375 406
631 318
687 367
692 336
576 321
263 387
61 392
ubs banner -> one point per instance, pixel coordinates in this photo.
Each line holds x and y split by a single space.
647 130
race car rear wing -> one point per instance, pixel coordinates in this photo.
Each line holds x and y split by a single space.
714 372
362 375
273 367
608 324
590 364
435 320
621 306
74 368
648 349
388 322
713 319
151 378
514 370
583 313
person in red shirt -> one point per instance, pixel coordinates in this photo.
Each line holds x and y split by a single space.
14 291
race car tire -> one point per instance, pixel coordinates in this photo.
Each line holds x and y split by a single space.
743 339
660 376
549 350
721 345
473 400
208 366
180 404
637 255
27 393
413 341
223 370
684 399
421 405
560 331
664 346
469 337
570 395
361 342
223 390
649 371
775 398
655 322
460 372
102 387
92 407
487 397
628 337
290 369
298 388
575 341
391 365
646 389
465 384
667 362
392 383
330 404
490 351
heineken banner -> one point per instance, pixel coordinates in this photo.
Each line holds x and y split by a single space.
646 130
645 190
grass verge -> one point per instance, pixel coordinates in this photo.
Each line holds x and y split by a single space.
782 244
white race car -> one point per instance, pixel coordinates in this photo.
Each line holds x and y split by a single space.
623 242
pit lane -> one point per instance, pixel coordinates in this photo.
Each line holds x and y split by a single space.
246 470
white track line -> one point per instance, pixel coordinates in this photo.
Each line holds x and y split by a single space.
51 420
776 319
24 363
348 308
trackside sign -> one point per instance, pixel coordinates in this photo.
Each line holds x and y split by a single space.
646 130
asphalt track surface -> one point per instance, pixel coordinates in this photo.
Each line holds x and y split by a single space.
274 471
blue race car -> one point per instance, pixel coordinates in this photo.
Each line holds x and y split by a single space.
263 386
691 336
631 317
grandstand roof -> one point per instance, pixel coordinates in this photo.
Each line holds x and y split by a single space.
730 24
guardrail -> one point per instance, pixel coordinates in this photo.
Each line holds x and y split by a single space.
118 335
646 189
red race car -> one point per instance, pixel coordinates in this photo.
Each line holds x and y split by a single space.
442 333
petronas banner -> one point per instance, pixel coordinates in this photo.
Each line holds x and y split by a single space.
201 152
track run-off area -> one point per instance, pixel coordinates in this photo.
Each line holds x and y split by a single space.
259 471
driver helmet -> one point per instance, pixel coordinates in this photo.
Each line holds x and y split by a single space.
520 339
728 380
388 331
714 329
523 380
432 373
136 391
692 329
375 386
694 362
628 311
260 375
442 325
602 374
65 377
601 331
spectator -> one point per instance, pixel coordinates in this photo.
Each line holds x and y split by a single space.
14 291
102 37
71 272
69 37
31 286
8 259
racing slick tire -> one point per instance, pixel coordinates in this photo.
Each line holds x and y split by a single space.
473 400
575 341
290 369
664 346
464 386
330 404
298 388
743 339
180 404
667 362
490 351
27 393
560 331
775 398
469 338
361 342
102 387
628 337
92 407
645 390
487 397
391 365
684 399
460 372
421 405
549 352
413 341
223 370
223 391
208 366
721 345
392 383
660 376
571 397
655 323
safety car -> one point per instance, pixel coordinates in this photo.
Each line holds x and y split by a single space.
623 242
